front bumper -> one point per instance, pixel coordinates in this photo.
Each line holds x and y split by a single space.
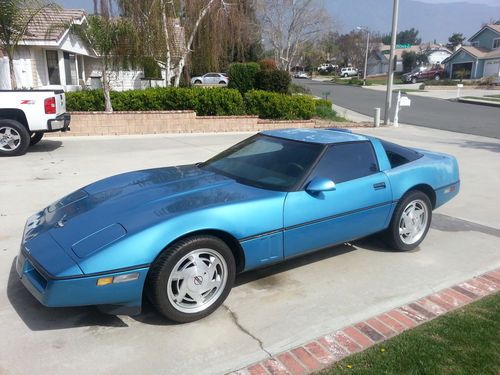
59 124
82 290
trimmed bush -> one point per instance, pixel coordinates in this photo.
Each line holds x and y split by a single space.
323 103
273 80
273 105
205 102
85 101
242 76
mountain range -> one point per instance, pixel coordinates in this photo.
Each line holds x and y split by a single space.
435 21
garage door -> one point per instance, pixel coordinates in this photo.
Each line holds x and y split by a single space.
491 68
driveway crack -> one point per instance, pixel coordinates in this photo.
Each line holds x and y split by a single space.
234 318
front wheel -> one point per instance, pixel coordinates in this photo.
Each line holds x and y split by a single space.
35 138
191 278
413 80
410 221
437 77
14 138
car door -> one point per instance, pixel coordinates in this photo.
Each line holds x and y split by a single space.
358 206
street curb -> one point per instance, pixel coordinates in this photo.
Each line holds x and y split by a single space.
330 348
488 103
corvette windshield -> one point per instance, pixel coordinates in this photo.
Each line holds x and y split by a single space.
266 162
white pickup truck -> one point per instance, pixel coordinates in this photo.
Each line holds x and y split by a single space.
25 115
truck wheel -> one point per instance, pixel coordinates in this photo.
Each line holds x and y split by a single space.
35 138
437 77
413 80
14 138
346 75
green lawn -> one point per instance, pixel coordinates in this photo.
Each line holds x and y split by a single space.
490 98
464 342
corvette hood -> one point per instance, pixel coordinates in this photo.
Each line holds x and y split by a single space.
107 210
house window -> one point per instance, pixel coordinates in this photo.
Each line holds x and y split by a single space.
70 68
496 43
53 67
475 44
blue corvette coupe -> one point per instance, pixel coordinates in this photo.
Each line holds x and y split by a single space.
179 235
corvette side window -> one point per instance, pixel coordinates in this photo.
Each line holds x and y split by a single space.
347 161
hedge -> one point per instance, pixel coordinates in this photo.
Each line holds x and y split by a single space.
242 76
273 80
273 105
204 101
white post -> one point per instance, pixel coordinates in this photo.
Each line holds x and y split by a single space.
390 73
376 119
396 115
459 86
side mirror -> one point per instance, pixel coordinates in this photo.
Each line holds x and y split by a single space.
318 184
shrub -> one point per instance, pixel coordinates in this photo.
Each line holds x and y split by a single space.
323 103
242 76
85 101
273 80
268 64
218 102
273 105
298 89
441 82
213 101
356 81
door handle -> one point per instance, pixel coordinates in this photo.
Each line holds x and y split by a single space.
379 185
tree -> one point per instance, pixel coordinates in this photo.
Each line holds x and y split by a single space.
413 59
352 48
289 26
15 17
166 27
455 40
404 37
113 42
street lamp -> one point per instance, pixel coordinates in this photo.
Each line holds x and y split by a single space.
364 28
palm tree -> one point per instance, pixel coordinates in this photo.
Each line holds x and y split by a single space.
112 39
15 17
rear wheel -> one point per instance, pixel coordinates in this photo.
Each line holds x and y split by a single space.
346 75
222 83
35 138
14 138
192 278
410 221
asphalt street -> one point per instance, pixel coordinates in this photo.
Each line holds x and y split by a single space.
269 310
429 112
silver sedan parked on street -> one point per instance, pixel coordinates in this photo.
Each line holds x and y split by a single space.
211 79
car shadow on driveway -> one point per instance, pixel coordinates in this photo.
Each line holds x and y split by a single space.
40 318
46 145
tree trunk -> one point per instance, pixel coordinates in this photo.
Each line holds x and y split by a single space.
108 107
13 80
167 42
185 53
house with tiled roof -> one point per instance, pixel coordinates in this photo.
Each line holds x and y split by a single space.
479 59
50 55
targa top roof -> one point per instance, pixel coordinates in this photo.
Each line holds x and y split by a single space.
323 136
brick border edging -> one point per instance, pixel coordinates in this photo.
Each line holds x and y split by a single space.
328 349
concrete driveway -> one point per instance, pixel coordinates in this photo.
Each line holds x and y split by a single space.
269 310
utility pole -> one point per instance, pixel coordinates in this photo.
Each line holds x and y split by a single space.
366 52
388 94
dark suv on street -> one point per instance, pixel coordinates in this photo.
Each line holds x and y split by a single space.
423 74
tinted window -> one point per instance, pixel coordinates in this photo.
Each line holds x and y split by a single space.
347 161
399 155
267 162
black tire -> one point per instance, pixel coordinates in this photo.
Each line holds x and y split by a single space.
157 282
222 82
197 82
437 77
8 129
392 235
346 75
35 138
414 80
